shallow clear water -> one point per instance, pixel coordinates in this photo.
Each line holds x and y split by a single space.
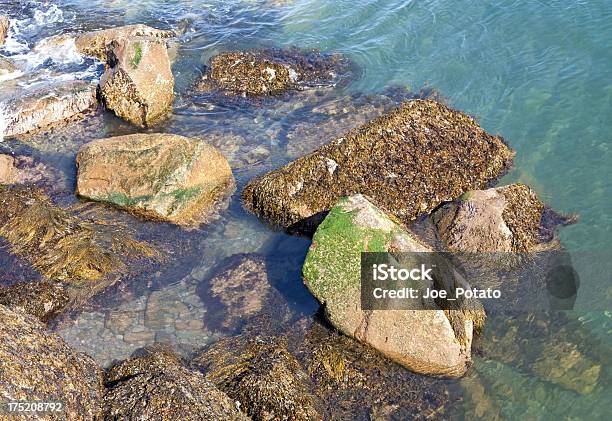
536 72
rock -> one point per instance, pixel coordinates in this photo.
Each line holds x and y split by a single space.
63 245
8 172
240 291
6 66
25 170
271 71
43 109
138 84
42 299
408 162
95 43
501 219
263 376
4 26
155 385
425 341
36 365
158 176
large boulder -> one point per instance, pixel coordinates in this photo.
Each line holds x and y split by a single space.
46 108
36 365
261 374
4 25
138 84
425 340
95 43
271 71
159 176
407 161
155 385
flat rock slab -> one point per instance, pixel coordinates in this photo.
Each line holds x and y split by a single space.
158 176
425 341
407 161
47 108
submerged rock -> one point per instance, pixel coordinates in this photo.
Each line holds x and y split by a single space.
271 71
240 291
158 176
4 25
263 376
408 162
25 170
138 84
36 365
95 43
42 299
63 245
435 342
156 385
43 109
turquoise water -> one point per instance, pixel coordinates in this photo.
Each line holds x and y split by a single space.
538 73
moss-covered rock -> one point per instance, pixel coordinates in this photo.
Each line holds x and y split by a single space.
138 84
425 341
158 176
38 366
408 162
271 71
43 299
263 376
155 384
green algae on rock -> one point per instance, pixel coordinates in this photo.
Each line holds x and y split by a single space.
155 384
271 71
425 341
36 365
407 161
159 176
263 376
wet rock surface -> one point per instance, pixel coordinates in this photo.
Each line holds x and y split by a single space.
38 366
4 25
408 161
23 169
155 385
263 376
425 341
272 71
46 108
158 176
6 66
95 43
42 299
138 84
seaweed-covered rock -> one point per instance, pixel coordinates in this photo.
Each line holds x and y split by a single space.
239 291
408 162
424 340
155 385
63 245
501 219
138 84
263 376
95 43
271 71
4 25
36 365
43 299
159 176
43 108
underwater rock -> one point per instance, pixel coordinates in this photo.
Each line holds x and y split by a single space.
425 341
42 299
263 376
138 84
154 384
79 250
271 71
47 108
501 219
159 176
95 43
36 365
240 291
4 25
25 170
408 162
